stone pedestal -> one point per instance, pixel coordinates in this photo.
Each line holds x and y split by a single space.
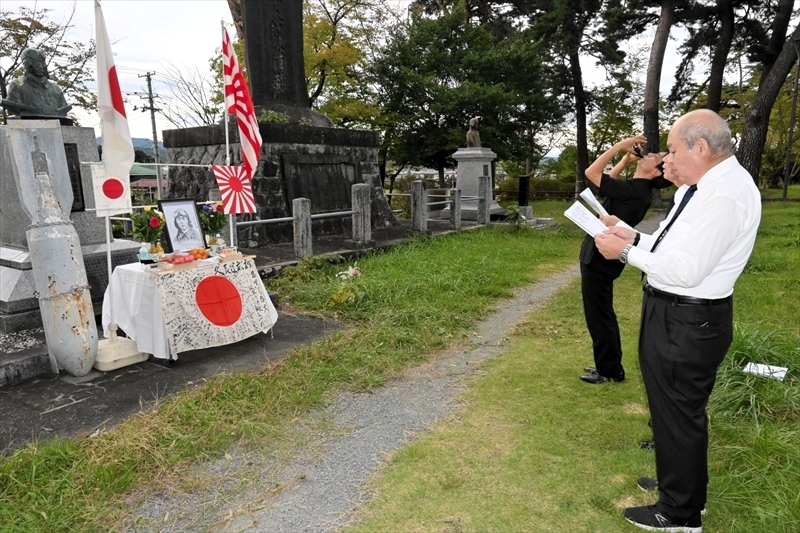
19 308
321 164
472 163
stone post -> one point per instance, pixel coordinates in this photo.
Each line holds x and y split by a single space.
473 163
301 211
362 224
419 209
455 209
484 198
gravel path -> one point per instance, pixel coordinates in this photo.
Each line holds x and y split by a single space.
321 490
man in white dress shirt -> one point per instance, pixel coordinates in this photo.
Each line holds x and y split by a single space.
691 263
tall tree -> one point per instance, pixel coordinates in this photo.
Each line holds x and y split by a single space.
652 94
751 146
574 28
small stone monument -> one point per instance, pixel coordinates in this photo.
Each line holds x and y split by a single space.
473 136
473 161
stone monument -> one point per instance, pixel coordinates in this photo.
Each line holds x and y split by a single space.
306 158
473 161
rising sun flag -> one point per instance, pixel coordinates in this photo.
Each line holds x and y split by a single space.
234 189
239 103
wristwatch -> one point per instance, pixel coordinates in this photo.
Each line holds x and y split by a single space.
623 257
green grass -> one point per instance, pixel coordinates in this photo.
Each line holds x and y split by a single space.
537 450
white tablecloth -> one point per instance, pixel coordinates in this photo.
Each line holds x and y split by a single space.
137 309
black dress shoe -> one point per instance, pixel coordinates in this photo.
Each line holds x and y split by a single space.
596 379
590 369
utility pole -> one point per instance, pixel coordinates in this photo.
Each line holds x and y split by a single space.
153 109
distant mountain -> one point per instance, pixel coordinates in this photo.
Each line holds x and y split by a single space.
143 144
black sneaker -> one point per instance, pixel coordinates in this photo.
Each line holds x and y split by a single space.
649 518
596 379
647 483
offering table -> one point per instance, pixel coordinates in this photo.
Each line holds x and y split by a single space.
171 311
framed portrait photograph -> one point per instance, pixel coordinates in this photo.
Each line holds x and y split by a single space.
182 227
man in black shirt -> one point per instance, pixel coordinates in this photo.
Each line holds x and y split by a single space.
628 200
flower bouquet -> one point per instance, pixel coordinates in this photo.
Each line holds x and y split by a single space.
147 225
212 219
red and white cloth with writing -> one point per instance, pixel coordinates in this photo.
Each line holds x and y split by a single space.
234 188
238 102
214 305
112 191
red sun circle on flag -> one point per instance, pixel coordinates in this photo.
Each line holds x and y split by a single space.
113 188
219 301
235 184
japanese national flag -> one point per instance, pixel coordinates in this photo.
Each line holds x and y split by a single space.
114 193
214 306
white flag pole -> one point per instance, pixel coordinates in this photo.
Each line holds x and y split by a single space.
112 326
231 216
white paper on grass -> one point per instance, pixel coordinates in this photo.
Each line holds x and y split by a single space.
584 219
767 371
592 201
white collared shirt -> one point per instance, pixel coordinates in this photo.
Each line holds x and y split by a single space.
708 246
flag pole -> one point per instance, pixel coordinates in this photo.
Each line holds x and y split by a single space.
231 216
118 156
112 326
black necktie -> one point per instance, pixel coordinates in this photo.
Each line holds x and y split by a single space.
684 201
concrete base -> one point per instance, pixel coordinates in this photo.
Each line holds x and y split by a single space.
471 212
117 353
19 308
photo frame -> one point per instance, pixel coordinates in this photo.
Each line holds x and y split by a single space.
182 229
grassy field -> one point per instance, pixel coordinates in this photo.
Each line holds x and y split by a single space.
535 449
543 451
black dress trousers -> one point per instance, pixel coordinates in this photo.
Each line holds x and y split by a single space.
680 348
597 287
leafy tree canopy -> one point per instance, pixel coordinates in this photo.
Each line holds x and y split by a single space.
442 72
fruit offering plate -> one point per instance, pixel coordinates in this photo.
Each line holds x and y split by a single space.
171 267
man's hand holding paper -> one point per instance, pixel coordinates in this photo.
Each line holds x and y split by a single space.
613 240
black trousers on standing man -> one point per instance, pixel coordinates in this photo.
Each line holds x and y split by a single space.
597 286
680 348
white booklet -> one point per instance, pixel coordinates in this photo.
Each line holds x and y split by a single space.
592 201
768 371
584 219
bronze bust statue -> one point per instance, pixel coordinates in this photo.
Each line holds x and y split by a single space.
33 94
473 137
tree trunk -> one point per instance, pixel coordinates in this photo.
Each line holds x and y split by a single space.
751 147
238 19
778 29
651 91
720 58
580 119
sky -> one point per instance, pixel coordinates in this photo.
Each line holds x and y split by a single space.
147 35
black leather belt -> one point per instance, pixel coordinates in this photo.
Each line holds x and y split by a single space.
683 300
